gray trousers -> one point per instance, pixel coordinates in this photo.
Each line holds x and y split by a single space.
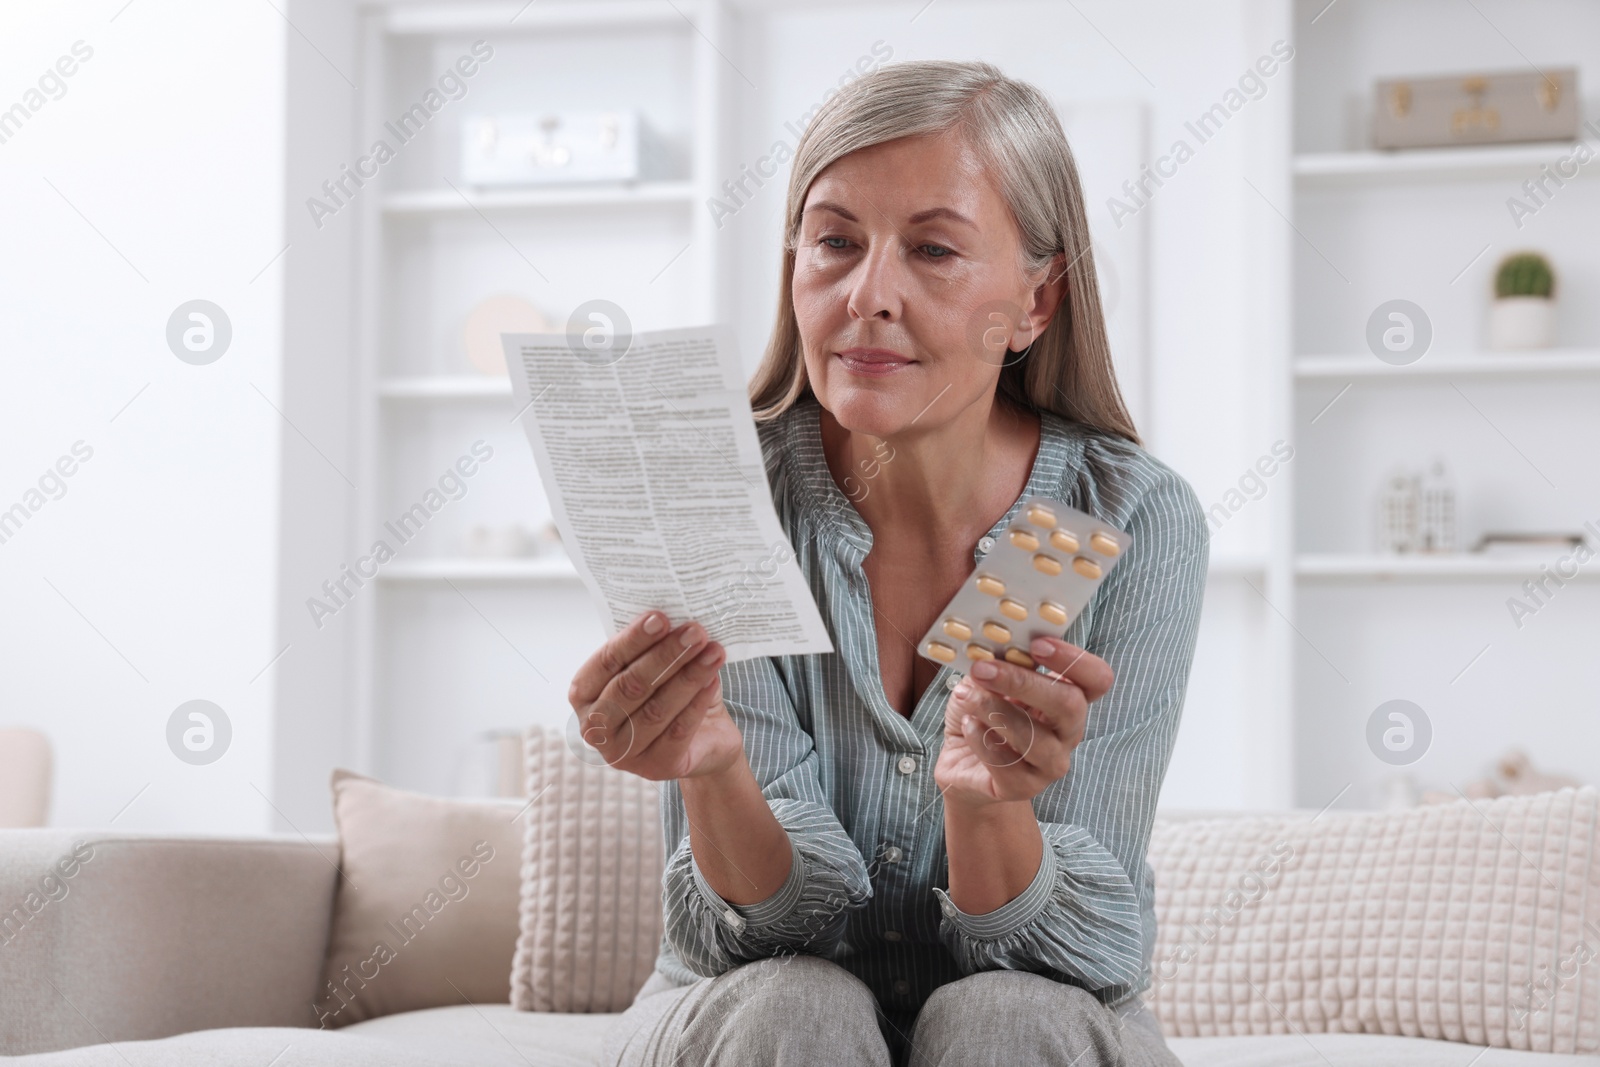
800 1011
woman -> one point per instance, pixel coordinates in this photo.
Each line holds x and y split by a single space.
869 861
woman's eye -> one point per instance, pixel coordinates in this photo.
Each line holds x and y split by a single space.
835 247
934 251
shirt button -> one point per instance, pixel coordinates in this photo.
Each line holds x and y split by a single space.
892 854
891 935
906 764
986 545
951 681
902 986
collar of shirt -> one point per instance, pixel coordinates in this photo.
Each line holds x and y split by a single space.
840 527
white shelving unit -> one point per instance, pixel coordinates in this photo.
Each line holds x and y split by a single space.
1429 164
535 569
449 646
1540 364
445 387
1442 567
1430 226
449 201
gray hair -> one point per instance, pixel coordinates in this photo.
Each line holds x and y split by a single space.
1011 125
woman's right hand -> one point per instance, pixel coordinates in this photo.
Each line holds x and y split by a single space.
650 702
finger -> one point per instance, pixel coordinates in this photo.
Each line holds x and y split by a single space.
634 684
646 722
1057 703
617 733
988 743
1083 668
669 747
640 634
1005 734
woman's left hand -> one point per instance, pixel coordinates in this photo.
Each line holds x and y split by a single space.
1009 731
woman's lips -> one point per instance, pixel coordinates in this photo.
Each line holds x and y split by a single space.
873 362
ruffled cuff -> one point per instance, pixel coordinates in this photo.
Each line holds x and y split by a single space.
808 913
1011 916
764 912
1078 917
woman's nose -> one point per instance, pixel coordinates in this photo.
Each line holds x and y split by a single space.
876 284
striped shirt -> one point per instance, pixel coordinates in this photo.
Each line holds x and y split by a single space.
851 779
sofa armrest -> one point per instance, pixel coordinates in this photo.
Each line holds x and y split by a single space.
121 937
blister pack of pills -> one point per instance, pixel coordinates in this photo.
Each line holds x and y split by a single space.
1034 582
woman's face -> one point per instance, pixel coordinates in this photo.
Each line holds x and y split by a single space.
908 286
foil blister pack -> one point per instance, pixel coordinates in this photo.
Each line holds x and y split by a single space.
1043 569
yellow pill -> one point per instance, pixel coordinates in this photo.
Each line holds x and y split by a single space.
1064 540
957 629
941 651
1053 613
1040 515
1019 657
978 652
1104 544
1046 564
995 632
1013 609
1025 540
988 583
1086 567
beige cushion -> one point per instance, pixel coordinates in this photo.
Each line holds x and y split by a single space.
1461 921
426 913
111 936
590 926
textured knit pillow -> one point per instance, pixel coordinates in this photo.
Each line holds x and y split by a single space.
426 910
1471 922
590 925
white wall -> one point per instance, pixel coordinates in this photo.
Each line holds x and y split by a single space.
155 179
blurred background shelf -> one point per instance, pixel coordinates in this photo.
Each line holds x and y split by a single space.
522 16
448 201
1459 566
1429 164
445 387
1552 362
532 569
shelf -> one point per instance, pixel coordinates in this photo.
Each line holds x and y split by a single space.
466 569
521 15
1544 363
445 387
447 201
1459 566
1414 164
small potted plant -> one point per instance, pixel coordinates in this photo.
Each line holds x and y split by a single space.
1524 311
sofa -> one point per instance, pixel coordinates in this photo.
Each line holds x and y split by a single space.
203 950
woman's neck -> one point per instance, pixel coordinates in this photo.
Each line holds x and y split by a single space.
936 487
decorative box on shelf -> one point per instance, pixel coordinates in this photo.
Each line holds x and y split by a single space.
1476 109
513 150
